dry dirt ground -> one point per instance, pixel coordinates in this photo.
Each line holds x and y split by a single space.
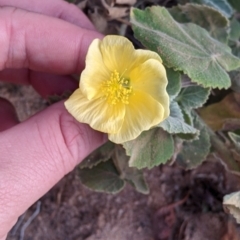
181 205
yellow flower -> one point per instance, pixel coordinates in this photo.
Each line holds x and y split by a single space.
122 90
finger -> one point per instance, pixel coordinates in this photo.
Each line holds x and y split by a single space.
4 238
36 154
26 42
44 83
8 116
55 8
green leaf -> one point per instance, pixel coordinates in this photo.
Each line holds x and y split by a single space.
101 154
235 45
221 5
103 177
175 122
188 118
194 153
232 203
234 29
185 47
174 83
150 149
235 4
193 97
234 36
131 175
204 16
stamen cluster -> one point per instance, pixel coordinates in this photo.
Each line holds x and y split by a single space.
117 89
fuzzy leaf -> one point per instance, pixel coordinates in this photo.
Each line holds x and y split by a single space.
101 154
185 47
131 175
193 97
174 83
150 149
232 203
206 17
235 4
103 177
234 29
234 36
175 122
188 118
194 153
221 5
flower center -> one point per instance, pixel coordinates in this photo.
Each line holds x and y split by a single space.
117 88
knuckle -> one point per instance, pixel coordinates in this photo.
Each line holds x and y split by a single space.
12 39
4 39
64 141
75 135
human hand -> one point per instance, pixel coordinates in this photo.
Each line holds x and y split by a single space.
39 40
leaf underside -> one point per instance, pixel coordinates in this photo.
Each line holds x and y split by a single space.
175 123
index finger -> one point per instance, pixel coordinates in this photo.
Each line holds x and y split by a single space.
55 8
42 43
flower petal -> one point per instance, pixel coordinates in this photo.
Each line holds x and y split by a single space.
150 77
95 72
142 55
142 113
97 113
118 53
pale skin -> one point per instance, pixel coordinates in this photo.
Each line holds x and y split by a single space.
42 44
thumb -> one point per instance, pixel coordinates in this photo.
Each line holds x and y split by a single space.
35 155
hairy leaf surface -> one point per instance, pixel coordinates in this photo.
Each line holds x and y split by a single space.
185 47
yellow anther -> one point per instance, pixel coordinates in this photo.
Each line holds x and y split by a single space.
117 89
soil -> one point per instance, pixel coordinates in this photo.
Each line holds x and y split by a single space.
181 205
